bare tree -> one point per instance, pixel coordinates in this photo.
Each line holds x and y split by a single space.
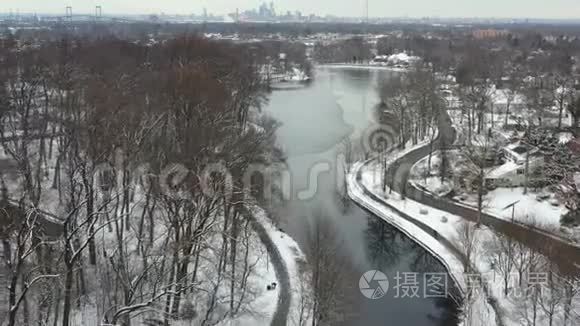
502 259
574 109
20 241
328 273
187 102
468 242
570 293
562 95
551 295
477 156
511 92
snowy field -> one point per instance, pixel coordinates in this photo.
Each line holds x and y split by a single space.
529 210
539 207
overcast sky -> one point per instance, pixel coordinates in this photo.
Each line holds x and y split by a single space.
377 8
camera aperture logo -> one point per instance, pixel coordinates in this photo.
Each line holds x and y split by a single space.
374 284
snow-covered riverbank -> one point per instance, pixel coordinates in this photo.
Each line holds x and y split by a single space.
299 292
479 309
437 235
499 279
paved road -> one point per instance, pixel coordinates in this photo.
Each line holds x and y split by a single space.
562 252
280 317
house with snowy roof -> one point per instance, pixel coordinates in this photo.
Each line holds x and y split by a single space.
512 172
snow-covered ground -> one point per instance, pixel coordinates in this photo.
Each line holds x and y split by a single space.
530 209
538 207
295 260
395 62
401 59
499 99
481 313
266 303
513 310
428 177
362 66
500 135
259 304
477 311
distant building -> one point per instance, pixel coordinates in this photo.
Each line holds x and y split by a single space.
401 60
489 33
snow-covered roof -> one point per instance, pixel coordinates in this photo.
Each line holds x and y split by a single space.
519 151
563 90
396 58
565 137
402 57
453 101
502 170
500 96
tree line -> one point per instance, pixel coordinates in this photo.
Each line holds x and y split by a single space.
113 137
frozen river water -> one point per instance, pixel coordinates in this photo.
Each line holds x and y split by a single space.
314 122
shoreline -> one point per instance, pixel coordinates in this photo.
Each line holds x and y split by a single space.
359 66
358 193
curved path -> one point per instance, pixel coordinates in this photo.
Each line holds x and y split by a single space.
561 251
449 246
285 296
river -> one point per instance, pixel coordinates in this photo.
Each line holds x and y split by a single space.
315 120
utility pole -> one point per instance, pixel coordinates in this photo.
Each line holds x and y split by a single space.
513 207
367 12
366 28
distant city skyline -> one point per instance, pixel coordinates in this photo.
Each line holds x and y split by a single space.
554 9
